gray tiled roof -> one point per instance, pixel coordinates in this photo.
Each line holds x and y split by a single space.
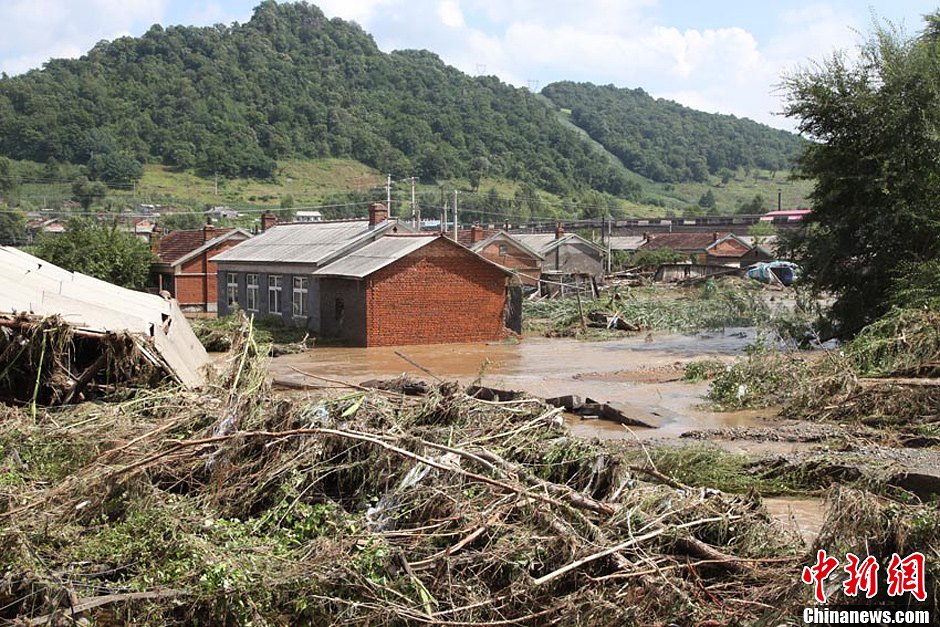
308 243
375 256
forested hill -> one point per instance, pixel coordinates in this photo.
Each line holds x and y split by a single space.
290 83
667 142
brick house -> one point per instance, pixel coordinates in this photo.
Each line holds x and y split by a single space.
722 249
507 251
183 268
272 273
413 289
566 253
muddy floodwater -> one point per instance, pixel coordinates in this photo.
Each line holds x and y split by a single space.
642 372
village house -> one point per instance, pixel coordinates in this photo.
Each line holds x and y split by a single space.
413 289
183 268
368 282
723 249
507 251
567 259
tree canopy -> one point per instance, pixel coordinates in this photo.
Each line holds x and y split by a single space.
101 251
668 142
875 122
290 83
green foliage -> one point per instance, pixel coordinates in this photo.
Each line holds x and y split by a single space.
876 126
12 226
9 181
100 251
707 200
666 141
653 258
903 342
702 370
115 169
763 378
916 285
753 206
86 192
181 221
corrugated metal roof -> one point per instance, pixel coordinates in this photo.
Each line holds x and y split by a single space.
375 256
535 241
546 242
626 242
309 243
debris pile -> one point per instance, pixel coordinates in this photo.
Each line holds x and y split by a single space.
65 336
362 506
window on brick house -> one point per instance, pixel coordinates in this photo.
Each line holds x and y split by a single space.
503 250
231 289
274 293
253 287
301 287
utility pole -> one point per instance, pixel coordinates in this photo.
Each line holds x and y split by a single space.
455 215
388 194
216 183
415 218
444 219
609 246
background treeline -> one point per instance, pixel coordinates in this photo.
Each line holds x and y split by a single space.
667 142
289 83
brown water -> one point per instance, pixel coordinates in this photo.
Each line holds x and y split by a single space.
803 515
603 371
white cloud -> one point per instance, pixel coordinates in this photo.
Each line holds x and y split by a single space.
34 31
450 14
361 11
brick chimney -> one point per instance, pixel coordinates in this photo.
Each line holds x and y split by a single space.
476 234
268 219
378 213
716 237
155 235
559 231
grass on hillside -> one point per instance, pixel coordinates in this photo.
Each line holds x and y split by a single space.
311 183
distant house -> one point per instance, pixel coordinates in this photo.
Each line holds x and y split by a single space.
53 226
308 216
626 243
723 249
369 282
566 253
143 229
226 213
184 269
513 254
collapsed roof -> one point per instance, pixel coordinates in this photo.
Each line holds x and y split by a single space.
33 288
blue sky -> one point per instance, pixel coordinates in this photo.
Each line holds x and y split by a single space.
721 56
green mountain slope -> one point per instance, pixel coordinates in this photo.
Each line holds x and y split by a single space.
290 83
667 142
292 86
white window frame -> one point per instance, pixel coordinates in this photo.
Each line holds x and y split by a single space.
301 288
231 289
252 289
275 283
503 250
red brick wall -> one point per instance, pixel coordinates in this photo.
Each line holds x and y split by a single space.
202 287
514 259
439 294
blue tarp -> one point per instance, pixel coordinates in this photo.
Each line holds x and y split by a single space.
784 272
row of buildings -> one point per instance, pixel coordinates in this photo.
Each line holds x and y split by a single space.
378 281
